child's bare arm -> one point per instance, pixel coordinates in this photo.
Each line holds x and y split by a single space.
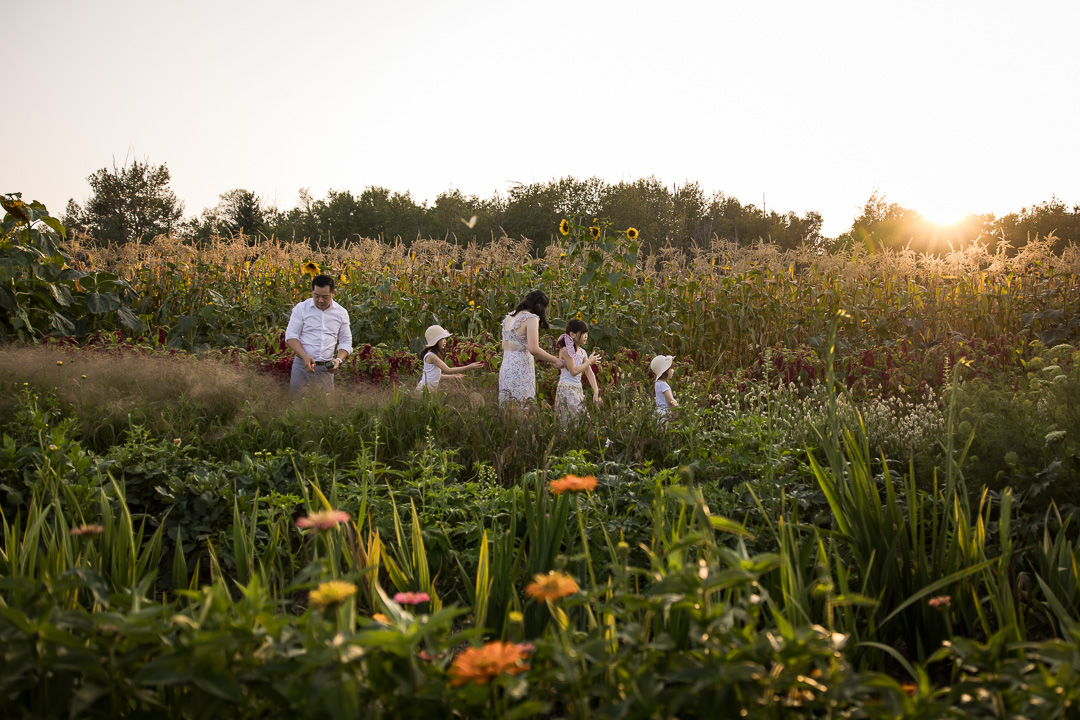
591 377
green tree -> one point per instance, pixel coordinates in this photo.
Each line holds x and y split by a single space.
241 212
128 203
1039 221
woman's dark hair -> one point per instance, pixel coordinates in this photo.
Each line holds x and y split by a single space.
574 327
535 302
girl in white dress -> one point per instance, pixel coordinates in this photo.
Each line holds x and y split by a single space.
569 397
662 367
521 344
433 365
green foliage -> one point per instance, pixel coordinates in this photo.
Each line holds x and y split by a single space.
1028 436
40 294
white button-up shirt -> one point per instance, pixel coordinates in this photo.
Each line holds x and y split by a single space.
320 331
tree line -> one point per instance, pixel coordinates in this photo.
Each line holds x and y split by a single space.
135 201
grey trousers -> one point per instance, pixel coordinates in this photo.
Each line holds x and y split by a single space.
301 380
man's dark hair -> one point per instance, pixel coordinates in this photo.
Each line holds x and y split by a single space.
322 281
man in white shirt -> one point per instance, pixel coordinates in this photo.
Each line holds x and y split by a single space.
319 334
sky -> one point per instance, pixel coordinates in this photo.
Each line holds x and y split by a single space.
946 107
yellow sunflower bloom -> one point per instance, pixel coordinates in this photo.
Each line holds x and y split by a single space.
564 227
632 233
595 231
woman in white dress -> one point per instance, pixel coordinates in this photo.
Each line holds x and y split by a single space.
521 344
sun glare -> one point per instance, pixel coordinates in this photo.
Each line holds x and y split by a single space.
942 214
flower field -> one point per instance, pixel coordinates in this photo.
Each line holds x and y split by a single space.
865 505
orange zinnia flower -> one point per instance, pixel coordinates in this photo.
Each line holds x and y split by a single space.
323 520
572 483
481 664
554 585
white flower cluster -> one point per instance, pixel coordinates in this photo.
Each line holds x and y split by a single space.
895 426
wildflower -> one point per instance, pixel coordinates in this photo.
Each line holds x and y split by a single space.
331 593
84 530
472 303
572 483
83 377
380 618
939 601
54 448
909 688
632 233
411 598
552 586
564 227
323 520
59 362
176 441
481 665
595 232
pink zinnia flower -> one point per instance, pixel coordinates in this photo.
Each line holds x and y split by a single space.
82 530
411 598
939 601
323 520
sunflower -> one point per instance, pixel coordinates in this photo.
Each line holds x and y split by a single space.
311 269
552 586
16 207
631 233
564 227
595 232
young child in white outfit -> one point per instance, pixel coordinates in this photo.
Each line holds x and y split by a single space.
433 365
569 398
663 369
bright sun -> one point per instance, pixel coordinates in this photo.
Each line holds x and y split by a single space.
942 213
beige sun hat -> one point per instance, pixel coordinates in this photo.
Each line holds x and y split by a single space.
660 364
434 334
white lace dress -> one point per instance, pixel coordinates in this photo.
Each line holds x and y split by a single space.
517 373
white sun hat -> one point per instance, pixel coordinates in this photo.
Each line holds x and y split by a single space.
660 364
434 334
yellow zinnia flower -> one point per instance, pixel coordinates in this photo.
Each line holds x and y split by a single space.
331 593
564 227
